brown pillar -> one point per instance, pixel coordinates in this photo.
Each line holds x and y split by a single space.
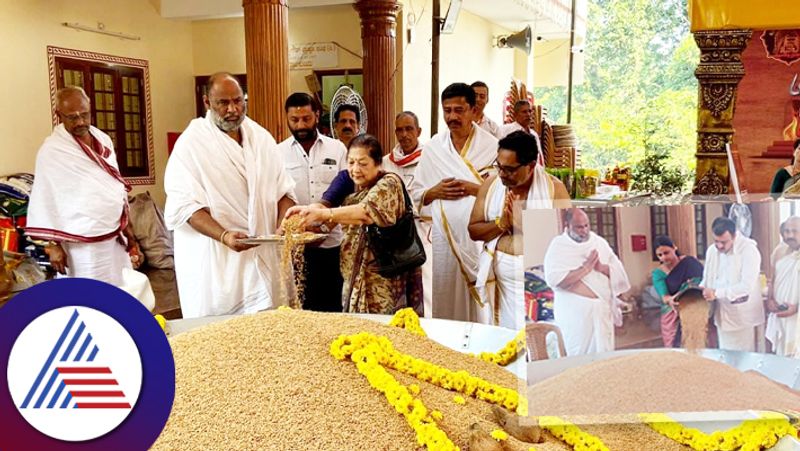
378 21
680 219
718 73
266 34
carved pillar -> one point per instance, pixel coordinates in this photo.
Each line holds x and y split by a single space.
719 73
378 23
266 33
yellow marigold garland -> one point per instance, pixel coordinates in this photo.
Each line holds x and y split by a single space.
751 435
407 319
372 354
509 352
572 435
499 435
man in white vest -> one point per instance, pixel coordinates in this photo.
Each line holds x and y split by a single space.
226 181
447 179
731 277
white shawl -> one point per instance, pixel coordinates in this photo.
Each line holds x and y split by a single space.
565 255
77 196
441 160
241 186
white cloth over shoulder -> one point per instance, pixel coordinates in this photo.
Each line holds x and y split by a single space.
241 187
74 198
455 255
782 332
572 313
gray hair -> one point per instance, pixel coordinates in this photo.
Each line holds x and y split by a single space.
410 114
70 91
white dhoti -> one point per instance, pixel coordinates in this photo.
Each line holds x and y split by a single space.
510 297
585 323
738 340
782 332
102 261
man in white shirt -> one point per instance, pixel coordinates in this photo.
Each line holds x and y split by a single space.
784 292
313 160
731 277
403 161
481 99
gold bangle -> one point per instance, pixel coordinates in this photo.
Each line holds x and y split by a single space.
222 236
498 222
330 218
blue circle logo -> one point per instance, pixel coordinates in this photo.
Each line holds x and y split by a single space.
88 367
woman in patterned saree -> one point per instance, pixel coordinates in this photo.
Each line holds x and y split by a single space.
674 274
378 200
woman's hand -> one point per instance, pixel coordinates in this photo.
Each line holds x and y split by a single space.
314 215
670 301
297 209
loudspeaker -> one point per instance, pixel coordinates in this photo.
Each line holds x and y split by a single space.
520 40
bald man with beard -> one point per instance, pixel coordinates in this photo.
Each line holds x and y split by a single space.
587 279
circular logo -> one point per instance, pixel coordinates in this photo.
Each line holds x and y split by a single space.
87 366
89 378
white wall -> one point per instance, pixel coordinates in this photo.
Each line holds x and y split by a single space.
30 26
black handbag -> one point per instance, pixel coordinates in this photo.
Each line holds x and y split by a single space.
396 248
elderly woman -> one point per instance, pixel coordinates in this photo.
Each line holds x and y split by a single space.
379 200
787 175
674 274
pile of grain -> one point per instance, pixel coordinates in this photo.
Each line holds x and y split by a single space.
292 265
693 311
664 381
268 382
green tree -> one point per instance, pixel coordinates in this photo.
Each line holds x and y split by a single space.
639 97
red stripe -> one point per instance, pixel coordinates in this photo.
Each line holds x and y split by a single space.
90 381
101 394
87 370
103 405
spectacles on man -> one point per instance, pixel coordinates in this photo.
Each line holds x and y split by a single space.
75 117
506 169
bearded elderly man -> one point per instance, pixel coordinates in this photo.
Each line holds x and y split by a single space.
450 172
587 279
225 181
496 220
79 199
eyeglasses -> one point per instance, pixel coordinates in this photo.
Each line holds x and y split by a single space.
75 117
506 169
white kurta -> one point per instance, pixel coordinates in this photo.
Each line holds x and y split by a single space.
586 323
241 186
490 126
406 172
455 255
540 195
782 332
735 276
79 199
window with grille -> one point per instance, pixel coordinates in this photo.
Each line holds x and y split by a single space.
604 223
659 225
119 92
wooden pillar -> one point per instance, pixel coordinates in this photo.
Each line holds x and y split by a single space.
680 220
266 33
378 24
718 73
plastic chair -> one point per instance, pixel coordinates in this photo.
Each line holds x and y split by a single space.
536 340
